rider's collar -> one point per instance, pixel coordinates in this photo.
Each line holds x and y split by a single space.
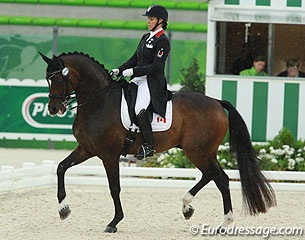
154 33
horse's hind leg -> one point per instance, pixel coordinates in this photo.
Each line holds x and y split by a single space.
222 183
207 176
76 157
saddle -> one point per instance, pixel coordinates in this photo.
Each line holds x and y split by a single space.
129 119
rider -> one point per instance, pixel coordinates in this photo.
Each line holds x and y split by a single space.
146 68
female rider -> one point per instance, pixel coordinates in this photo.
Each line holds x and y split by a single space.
146 68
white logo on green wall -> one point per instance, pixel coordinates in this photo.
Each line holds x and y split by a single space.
35 113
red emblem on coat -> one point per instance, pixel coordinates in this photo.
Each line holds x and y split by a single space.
160 53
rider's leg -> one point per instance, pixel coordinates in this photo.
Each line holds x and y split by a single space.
143 100
147 149
132 97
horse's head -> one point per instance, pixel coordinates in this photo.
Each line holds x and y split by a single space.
59 78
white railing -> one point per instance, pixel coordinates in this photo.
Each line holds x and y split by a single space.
30 176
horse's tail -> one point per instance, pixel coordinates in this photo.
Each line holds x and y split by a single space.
257 192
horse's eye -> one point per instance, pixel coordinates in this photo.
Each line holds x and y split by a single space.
56 80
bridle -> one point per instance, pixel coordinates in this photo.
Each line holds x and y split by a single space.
65 97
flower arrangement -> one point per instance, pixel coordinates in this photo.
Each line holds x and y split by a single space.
282 153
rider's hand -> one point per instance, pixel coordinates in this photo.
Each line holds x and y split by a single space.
128 72
115 72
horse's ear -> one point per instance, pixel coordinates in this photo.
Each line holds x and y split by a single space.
45 58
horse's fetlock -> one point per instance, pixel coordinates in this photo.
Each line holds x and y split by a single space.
119 217
187 198
61 198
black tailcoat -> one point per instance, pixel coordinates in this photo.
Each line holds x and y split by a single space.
149 59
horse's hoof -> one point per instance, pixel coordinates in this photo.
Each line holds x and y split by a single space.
110 229
64 212
189 213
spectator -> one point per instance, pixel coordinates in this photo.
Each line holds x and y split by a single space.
292 69
252 48
257 69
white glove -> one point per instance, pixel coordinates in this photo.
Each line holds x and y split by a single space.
115 72
128 72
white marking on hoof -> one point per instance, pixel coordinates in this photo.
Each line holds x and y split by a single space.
228 218
186 200
62 205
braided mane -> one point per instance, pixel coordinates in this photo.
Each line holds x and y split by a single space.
88 56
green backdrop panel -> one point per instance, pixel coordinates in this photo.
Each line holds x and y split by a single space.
19 56
27 112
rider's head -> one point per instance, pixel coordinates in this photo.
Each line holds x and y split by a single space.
159 12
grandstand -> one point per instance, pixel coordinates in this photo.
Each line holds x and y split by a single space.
115 18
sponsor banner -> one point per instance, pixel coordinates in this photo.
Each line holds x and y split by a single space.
24 112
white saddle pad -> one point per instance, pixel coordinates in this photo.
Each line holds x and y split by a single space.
158 123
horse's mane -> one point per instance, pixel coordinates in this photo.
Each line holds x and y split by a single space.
89 57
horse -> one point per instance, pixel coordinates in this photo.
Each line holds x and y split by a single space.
199 125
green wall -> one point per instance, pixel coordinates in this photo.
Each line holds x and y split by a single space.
19 56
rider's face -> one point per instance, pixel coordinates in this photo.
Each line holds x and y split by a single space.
151 22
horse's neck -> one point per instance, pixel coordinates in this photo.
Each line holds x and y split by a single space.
90 89
98 102
93 80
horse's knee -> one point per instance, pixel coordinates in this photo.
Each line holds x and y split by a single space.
60 169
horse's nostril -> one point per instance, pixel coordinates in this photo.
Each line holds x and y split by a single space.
53 110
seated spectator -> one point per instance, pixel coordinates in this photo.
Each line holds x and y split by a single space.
292 69
257 69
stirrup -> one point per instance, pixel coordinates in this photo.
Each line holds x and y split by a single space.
145 151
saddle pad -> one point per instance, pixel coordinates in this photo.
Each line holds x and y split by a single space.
158 123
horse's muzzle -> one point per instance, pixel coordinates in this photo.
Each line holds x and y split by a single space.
55 109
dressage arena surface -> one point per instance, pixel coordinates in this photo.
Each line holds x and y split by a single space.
150 213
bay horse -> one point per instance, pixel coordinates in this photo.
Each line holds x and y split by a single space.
199 125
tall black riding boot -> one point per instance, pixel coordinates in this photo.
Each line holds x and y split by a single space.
147 149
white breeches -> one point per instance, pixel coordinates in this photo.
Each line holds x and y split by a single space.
143 97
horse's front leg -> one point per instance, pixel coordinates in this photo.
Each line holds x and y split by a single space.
76 157
112 169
